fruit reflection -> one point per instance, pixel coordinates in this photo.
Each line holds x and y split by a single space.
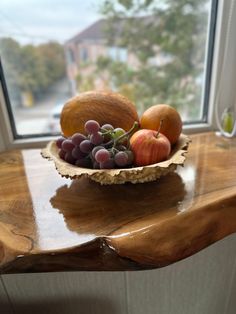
91 208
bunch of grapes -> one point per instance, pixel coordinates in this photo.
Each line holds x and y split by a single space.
103 148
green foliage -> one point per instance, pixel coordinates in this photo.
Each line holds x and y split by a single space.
85 83
32 68
52 60
103 63
175 29
10 51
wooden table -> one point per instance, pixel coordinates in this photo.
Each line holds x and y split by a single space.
49 223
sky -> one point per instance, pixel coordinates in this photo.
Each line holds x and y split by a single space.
36 21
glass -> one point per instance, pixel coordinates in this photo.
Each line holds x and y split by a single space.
150 51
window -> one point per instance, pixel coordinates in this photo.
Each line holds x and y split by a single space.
122 54
69 56
166 56
112 53
118 54
83 54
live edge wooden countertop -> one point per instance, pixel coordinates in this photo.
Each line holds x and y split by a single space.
49 223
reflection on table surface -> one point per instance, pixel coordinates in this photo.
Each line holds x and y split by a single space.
54 213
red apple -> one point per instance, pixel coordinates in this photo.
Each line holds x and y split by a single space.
149 147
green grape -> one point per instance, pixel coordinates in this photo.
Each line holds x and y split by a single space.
117 133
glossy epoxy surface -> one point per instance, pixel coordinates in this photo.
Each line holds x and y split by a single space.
153 224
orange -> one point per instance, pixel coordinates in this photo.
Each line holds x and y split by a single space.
171 121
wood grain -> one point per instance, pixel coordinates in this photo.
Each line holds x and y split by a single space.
49 223
199 284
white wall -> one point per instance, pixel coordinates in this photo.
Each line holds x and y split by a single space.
202 284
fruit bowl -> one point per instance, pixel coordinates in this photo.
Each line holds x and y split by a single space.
120 176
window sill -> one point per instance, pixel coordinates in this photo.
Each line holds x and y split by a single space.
40 142
51 223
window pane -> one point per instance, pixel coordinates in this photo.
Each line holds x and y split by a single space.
150 51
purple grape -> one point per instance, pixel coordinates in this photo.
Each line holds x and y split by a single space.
96 165
121 147
107 137
77 154
96 149
67 145
102 155
86 146
130 155
59 141
77 138
111 152
96 138
91 126
121 159
69 158
83 162
108 127
62 154
108 164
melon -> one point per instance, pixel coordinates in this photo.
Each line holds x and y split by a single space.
104 107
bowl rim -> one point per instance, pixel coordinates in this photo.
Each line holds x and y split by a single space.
177 157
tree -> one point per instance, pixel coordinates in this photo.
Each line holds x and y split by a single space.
174 29
29 68
52 57
10 56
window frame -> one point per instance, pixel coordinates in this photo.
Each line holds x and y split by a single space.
220 11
